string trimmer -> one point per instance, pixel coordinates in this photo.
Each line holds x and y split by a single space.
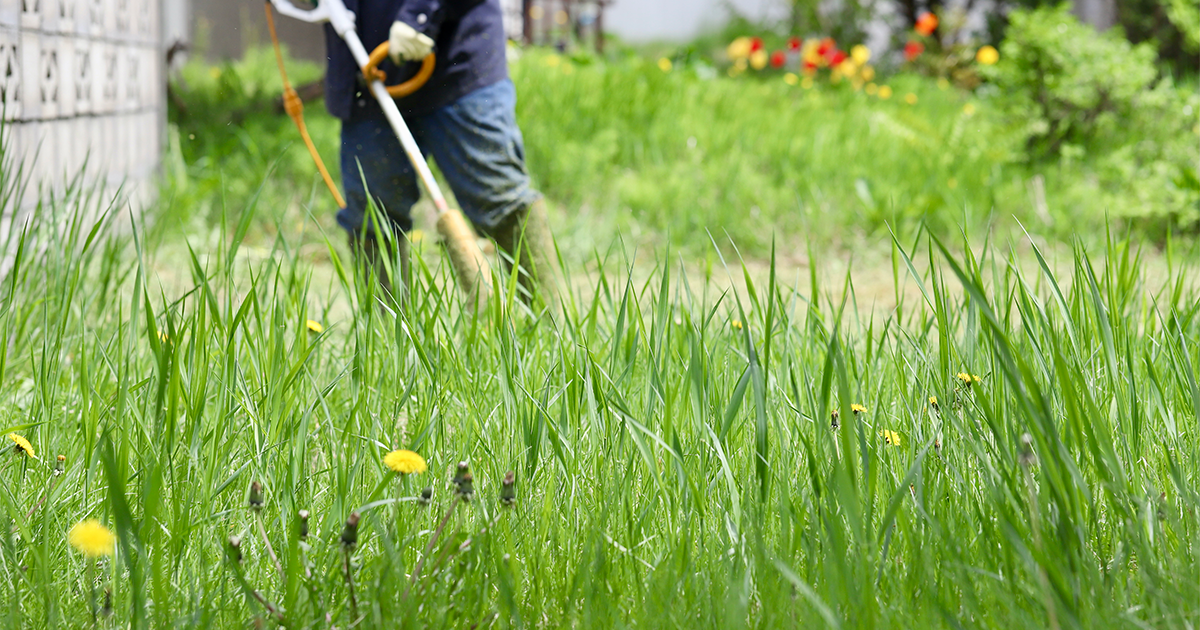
470 267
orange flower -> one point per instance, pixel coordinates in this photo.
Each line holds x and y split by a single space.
927 23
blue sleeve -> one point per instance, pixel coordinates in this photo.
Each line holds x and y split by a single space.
426 16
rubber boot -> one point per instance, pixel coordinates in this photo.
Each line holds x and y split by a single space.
371 262
525 239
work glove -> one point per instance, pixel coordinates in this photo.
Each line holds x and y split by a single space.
406 44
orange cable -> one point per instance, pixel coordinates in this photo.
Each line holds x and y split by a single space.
295 108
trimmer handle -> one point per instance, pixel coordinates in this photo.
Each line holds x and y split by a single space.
372 72
332 11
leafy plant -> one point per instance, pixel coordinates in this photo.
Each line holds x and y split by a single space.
1074 92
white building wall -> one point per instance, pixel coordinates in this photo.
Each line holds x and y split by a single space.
81 82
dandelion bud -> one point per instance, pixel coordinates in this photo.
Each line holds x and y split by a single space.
833 419
256 497
107 611
463 469
508 489
60 465
466 486
235 549
1026 457
426 496
302 525
350 534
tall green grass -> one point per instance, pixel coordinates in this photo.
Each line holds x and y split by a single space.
674 468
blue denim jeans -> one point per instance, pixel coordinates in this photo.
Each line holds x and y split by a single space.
475 142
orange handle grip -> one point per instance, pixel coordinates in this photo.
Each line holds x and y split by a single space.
371 72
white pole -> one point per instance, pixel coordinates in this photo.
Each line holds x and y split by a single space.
415 157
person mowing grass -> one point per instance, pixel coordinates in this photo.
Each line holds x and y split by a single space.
464 117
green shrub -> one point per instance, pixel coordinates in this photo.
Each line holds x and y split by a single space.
1074 92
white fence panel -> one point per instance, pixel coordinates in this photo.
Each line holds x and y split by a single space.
81 83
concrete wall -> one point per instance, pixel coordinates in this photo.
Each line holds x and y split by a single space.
82 80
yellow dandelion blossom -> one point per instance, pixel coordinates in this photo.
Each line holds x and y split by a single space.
987 55
969 109
857 408
860 54
404 462
868 73
933 402
885 92
759 59
910 98
736 324
738 48
965 378
92 539
21 445
314 326
665 64
891 438
791 78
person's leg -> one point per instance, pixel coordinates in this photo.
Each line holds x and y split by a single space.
376 175
479 149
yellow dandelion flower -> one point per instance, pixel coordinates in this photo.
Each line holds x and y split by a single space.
21 445
969 109
910 98
943 84
759 59
968 379
92 539
891 438
987 55
738 48
736 324
860 54
404 462
314 326
857 408
933 402
791 78
872 89
885 92
665 64
868 73
164 337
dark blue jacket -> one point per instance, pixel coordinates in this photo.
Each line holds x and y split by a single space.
469 42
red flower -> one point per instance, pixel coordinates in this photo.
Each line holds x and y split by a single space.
837 57
810 66
927 23
794 44
778 59
755 45
912 50
825 46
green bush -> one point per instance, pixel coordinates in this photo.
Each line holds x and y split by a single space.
1074 92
